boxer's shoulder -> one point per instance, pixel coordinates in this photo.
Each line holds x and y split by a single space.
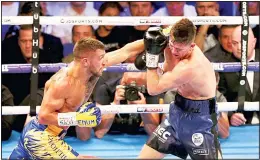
183 64
61 75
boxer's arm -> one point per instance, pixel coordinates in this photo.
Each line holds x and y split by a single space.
168 64
53 100
181 74
105 125
122 54
83 133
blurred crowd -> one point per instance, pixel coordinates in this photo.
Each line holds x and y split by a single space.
220 43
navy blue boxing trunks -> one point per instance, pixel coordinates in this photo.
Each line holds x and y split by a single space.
191 129
39 141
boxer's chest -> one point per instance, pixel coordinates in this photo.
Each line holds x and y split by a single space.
76 99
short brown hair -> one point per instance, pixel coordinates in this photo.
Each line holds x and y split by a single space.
183 31
87 44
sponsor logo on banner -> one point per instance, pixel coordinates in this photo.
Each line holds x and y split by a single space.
153 21
200 151
198 21
150 109
5 68
6 20
197 139
162 134
81 21
218 66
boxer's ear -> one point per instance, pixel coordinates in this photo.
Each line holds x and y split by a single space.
85 62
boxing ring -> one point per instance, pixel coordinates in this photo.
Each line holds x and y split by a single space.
243 142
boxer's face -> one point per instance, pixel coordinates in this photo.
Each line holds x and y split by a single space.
110 11
179 49
25 42
175 8
97 62
225 38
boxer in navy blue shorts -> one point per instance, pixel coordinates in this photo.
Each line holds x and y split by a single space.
191 128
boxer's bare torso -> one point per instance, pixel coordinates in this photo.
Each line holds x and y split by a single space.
70 87
71 91
201 82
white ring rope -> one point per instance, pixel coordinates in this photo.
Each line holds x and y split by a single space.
134 108
127 21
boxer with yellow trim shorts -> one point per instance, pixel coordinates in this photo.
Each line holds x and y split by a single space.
191 128
38 141
64 102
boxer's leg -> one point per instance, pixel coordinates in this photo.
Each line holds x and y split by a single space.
163 141
19 153
201 141
148 152
45 145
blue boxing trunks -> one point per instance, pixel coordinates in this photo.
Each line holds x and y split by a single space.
191 129
39 141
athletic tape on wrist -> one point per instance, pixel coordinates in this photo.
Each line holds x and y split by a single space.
152 60
67 119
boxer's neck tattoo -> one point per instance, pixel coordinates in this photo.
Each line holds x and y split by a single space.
90 86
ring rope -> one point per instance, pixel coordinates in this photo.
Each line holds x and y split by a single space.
125 67
127 21
136 108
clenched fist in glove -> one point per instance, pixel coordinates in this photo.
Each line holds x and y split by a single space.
88 115
140 61
155 42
